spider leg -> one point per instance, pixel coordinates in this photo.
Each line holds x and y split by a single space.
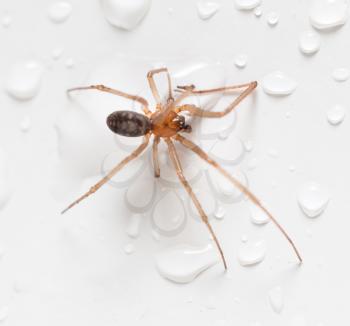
153 86
155 156
196 111
111 173
177 164
196 149
106 89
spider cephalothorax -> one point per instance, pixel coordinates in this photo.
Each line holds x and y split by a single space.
166 123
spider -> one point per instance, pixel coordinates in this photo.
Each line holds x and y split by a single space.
166 123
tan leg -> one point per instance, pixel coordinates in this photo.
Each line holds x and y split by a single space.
196 111
106 89
155 156
153 86
175 159
110 174
196 149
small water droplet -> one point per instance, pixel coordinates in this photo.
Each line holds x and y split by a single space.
57 53
257 216
336 115
207 9
272 18
313 199
241 61
309 42
70 63
341 74
25 124
325 14
258 12
183 263
279 84
220 213
125 14
4 312
129 248
276 299
6 21
24 80
60 11
133 228
247 4
252 253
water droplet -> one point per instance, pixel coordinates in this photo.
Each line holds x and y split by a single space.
6 21
341 74
57 53
24 80
207 9
220 213
241 61
336 115
258 216
252 253
59 11
313 199
4 312
125 14
168 215
183 263
25 124
247 4
248 144
325 14
129 248
69 63
133 228
279 84
276 299
309 42
258 11
272 18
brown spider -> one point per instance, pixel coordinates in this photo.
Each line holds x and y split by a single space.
166 123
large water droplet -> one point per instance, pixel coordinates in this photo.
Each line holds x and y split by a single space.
257 215
183 263
276 299
336 115
207 9
24 80
59 11
326 14
309 42
341 74
247 4
124 13
313 199
279 84
252 253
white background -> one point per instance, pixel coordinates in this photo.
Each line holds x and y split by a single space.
53 273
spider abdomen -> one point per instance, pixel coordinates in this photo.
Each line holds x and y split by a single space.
128 123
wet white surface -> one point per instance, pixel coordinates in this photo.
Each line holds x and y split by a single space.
93 266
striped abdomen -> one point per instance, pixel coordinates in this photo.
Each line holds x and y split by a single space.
128 123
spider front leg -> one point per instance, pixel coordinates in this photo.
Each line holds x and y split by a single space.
196 111
106 89
111 173
153 86
177 164
196 149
